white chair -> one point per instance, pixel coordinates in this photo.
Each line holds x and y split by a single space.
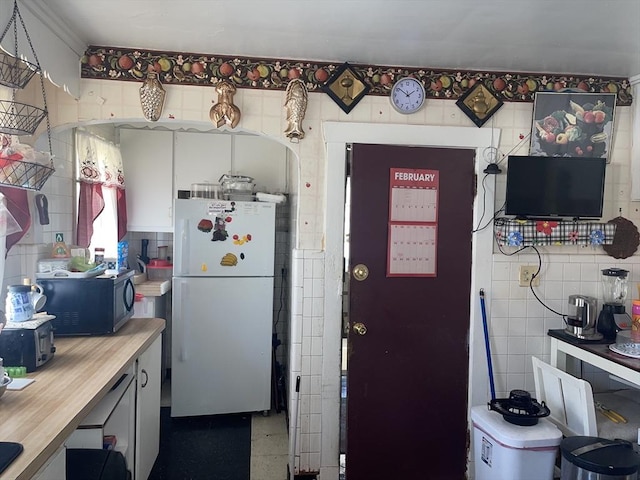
572 409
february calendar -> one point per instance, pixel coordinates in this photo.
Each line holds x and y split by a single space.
413 223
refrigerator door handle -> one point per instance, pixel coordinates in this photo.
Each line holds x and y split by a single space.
181 261
183 353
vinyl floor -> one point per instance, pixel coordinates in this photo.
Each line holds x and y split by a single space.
242 446
215 447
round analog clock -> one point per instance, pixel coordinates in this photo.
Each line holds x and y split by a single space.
407 95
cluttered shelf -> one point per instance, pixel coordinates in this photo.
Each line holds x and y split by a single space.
521 233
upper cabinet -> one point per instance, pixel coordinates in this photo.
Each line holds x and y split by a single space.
205 157
200 158
147 158
159 163
263 159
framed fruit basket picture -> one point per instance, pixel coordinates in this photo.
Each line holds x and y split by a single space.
571 124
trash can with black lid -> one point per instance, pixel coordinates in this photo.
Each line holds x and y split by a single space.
595 458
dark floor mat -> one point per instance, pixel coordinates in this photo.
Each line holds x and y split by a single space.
214 447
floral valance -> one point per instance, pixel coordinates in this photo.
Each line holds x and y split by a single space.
523 233
100 161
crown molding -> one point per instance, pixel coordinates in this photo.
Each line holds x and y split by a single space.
50 19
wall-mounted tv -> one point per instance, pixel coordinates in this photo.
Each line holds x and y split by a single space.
555 187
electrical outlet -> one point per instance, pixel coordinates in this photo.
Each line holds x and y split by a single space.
526 272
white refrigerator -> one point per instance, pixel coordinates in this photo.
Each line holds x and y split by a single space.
223 265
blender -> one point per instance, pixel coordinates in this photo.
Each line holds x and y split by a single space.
613 316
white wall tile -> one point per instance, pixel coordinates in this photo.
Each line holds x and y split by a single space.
571 272
516 363
517 308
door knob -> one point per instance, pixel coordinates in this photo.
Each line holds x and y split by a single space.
360 328
360 272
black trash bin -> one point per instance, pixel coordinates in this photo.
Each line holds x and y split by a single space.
95 464
595 458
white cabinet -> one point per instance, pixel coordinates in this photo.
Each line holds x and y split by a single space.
263 159
205 157
158 163
55 468
113 416
147 157
147 410
131 413
200 158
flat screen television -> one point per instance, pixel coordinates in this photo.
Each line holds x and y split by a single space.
555 187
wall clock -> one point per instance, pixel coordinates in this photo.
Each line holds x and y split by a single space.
407 95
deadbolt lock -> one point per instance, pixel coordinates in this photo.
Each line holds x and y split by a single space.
360 272
360 328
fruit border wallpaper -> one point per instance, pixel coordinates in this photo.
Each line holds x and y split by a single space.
111 63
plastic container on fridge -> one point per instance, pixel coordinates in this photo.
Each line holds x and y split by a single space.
206 190
159 269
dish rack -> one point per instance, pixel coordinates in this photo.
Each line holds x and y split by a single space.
61 273
18 118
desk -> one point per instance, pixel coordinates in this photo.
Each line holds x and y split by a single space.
597 355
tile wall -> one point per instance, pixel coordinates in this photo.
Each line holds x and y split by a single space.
518 322
307 330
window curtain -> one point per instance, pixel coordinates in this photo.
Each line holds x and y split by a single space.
101 178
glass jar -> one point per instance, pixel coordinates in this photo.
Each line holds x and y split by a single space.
614 286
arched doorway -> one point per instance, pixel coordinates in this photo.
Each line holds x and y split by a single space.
285 233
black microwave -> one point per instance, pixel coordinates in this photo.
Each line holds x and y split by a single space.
89 306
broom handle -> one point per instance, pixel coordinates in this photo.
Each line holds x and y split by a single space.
486 344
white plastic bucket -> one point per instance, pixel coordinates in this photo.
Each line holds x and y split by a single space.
504 451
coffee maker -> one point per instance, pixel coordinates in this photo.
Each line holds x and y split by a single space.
581 319
613 316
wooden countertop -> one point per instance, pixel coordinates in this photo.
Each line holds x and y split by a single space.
67 388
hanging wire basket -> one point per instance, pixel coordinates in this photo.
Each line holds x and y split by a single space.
19 118
24 174
14 72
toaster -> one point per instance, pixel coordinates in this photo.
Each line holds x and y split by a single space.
27 344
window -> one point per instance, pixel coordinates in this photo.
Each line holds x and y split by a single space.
102 214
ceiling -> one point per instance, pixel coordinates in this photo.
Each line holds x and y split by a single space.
585 37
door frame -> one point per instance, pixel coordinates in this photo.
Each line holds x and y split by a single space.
337 135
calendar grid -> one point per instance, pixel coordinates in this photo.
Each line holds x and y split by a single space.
413 227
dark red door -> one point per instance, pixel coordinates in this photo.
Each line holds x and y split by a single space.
408 374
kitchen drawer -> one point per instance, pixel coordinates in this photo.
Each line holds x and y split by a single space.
114 415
